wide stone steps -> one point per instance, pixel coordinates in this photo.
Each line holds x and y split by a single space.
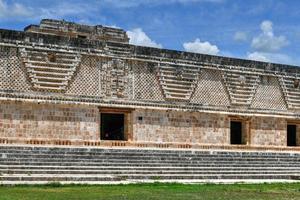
150 154
145 161
152 165
136 168
101 178
129 154
99 165
140 158
144 172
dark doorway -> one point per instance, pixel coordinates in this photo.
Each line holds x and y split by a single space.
291 135
112 126
235 132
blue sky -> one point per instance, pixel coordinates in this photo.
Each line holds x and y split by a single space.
266 30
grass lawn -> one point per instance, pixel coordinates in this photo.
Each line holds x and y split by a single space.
152 191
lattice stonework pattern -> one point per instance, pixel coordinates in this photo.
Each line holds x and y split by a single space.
291 91
86 80
210 89
12 74
146 84
269 94
115 77
241 87
178 82
50 70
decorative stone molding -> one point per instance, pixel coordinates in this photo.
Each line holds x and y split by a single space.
291 91
115 79
241 87
50 70
178 82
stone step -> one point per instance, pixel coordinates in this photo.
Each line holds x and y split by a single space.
144 172
24 163
230 164
145 153
122 156
147 160
117 168
95 177
165 157
134 150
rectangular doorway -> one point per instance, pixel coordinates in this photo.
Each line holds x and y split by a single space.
291 135
235 132
112 126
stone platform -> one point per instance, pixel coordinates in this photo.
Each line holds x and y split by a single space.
31 165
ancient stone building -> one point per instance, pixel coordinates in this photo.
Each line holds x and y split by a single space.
68 84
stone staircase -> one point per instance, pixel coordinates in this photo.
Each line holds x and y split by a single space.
25 164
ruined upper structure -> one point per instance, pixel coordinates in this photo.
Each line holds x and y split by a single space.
59 61
73 30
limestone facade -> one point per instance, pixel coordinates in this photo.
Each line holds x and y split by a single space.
182 127
68 122
48 121
55 82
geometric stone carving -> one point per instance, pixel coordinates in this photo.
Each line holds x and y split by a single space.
146 84
115 79
241 87
291 91
210 89
269 94
178 82
49 70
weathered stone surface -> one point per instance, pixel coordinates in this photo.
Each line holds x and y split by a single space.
54 83
24 164
48 121
268 131
183 127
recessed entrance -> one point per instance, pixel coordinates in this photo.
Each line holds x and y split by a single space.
235 132
112 126
291 135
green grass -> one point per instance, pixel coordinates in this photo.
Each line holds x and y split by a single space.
152 191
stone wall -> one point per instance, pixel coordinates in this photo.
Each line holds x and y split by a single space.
193 127
69 122
48 121
183 127
268 131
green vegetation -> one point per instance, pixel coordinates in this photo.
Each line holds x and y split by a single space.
155 191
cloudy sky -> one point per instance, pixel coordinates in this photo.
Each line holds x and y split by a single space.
266 30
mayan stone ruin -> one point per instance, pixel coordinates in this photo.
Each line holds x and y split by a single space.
63 83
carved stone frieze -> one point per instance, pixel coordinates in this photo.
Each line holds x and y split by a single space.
115 79
49 70
178 82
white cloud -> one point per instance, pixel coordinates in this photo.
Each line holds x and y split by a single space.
13 10
271 57
240 36
139 37
258 56
201 47
267 41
